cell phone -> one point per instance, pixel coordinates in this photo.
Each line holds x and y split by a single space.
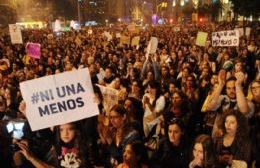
16 128
15 147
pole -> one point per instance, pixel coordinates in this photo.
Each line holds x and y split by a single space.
79 13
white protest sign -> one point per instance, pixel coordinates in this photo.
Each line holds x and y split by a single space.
72 24
90 31
225 38
110 97
108 36
118 35
248 31
241 31
152 46
59 99
16 34
176 29
57 25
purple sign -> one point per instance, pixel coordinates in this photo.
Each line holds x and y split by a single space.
154 18
33 50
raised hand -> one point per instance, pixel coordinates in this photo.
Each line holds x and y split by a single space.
240 76
222 77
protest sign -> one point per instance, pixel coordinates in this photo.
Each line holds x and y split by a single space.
110 97
57 25
15 34
63 98
248 31
225 38
135 41
90 31
241 31
108 36
72 24
201 38
33 50
124 40
176 29
118 35
131 27
152 46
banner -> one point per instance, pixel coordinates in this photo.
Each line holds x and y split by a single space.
33 50
135 41
59 99
201 38
15 34
225 38
125 40
110 97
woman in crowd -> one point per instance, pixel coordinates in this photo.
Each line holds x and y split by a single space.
121 133
69 150
203 153
134 156
254 121
234 144
178 108
153 103
174 149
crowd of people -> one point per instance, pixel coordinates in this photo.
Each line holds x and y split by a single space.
183 106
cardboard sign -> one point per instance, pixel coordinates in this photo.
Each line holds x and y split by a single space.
201 38
152 46
108 36
225 38
33 50
118 35
15 34
125 40
110 97
131 27
176 29
65 97
57 25
135 41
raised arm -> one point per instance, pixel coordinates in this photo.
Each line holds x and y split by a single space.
214 101
242 102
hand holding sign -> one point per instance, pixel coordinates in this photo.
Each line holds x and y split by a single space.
65 98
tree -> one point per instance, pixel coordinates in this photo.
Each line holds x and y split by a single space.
215 8
7 15
246 8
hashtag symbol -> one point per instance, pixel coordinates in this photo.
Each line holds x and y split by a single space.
35 98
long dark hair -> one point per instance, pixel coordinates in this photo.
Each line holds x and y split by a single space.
209 156
140 153
155 85
76 142
242 124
